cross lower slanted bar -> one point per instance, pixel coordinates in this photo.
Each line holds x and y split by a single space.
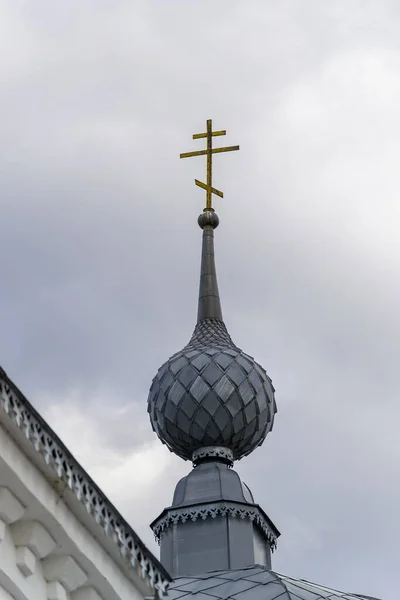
209 152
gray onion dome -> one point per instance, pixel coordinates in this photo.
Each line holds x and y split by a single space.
211 397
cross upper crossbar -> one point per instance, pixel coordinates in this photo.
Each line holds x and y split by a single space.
209 134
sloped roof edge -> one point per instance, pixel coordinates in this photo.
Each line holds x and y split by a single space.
60 462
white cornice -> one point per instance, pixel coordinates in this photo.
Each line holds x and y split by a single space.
60 463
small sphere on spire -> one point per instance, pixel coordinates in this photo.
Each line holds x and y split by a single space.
208 218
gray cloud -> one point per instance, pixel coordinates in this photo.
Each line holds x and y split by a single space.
100 247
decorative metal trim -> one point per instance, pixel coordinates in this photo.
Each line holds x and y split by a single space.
211 511
57 457
225 454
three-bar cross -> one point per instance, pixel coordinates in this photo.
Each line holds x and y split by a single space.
209 152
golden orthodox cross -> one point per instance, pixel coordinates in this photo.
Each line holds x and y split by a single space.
209 152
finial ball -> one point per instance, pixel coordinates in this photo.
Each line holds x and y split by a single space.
208 218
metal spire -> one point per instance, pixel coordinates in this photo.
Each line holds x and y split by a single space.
209 301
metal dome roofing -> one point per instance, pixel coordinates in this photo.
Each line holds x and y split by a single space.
253 583
211 394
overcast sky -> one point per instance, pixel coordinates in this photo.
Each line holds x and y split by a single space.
100 246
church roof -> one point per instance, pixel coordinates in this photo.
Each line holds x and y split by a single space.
213 404
79 491
252 583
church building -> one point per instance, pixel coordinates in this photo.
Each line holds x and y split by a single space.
212 404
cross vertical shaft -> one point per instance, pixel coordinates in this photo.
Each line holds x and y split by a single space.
209 164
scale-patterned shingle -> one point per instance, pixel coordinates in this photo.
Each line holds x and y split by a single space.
211 394
252 583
